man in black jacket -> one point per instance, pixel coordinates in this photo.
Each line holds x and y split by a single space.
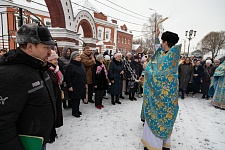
27 103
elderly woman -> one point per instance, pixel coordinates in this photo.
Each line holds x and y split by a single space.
100 80
185 72
57 79
206 79
75 78
116 71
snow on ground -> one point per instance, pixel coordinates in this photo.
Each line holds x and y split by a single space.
199 126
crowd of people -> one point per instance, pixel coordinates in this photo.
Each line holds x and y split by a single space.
37 82
195 75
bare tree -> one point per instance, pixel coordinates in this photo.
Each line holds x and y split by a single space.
149 30
213 42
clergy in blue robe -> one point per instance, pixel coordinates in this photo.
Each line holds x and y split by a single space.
217 87
161 90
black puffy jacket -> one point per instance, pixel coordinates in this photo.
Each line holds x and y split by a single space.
27 103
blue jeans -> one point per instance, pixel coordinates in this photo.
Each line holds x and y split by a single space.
43 147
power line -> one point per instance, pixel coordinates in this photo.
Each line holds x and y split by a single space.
119 10
126 9
109 16
92 10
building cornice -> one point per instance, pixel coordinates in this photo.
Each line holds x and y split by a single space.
105 23
119 30
62 32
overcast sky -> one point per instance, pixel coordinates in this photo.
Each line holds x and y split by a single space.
203 16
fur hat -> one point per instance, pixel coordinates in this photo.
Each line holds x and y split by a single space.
32 33
208 61
136 56
53 55
74 54
100 56
170 37
107 57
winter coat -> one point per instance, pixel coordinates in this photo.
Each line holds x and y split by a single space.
197 79
29 107
212 70
63 63
136 71
137 68
57 93
64 60
206 80
75 76
115 69
100 79
88 63
185 75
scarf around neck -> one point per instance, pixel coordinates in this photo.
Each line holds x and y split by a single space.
58 74
99 69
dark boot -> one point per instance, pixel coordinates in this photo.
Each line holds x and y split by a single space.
117 99
121 96
164 148
207 97
130 97
112 99
182 94
203 96
77 115
134 98
145 148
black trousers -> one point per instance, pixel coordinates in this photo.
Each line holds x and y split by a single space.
90 91
98 97
75 106
65 104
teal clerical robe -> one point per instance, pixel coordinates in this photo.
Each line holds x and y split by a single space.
161 91
217 86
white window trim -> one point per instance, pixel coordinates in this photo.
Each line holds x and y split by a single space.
109 36
102 33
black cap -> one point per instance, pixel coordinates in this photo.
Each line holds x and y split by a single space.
45 36
32 33
170 37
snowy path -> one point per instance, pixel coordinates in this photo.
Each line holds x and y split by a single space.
199 126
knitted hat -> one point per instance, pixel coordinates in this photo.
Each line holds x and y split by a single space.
32 33
208 61
128 54
144 58
170 37
100 56
106 57
118 54
74 54
53 55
